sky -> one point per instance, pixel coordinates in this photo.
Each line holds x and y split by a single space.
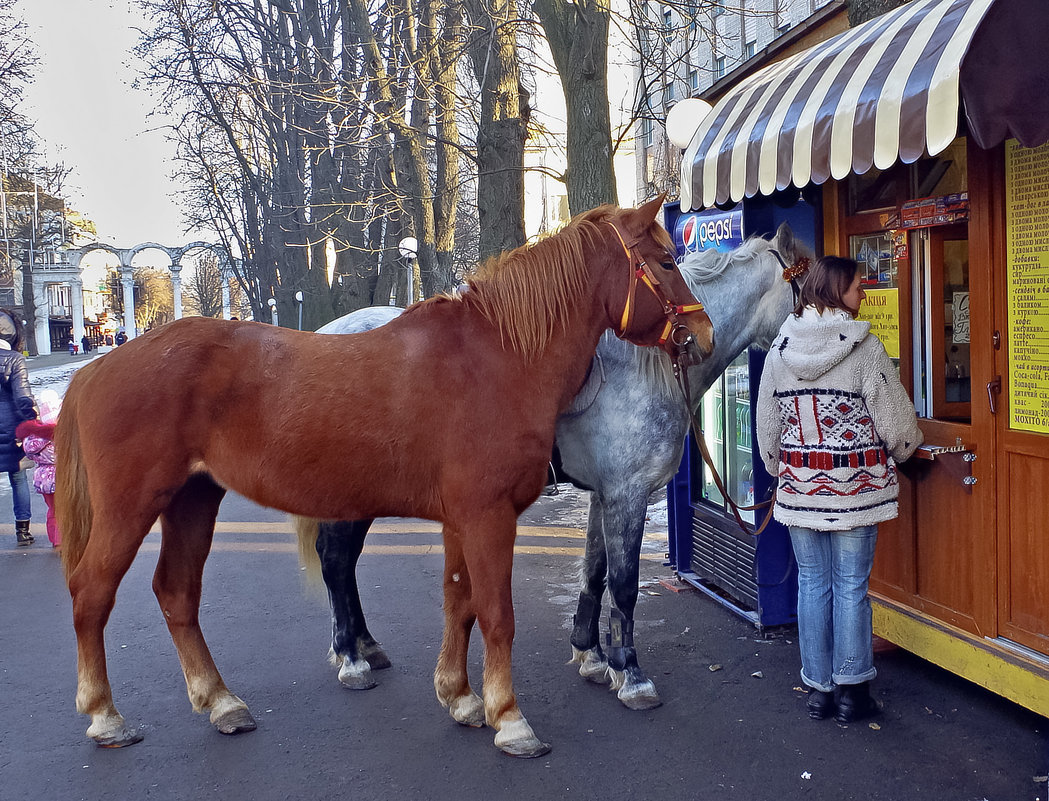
90 118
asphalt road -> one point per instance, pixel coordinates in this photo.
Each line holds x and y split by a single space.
732 726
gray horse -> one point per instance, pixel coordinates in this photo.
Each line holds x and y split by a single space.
622 439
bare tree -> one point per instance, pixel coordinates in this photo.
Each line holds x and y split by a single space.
502 124
577 33
154 301
202 293
314 135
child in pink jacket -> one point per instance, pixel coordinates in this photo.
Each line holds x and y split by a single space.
38 443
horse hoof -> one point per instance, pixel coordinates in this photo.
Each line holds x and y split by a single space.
641 702
355 682
235 721
518 740
356 675
110 731
467 711
534 748
119 739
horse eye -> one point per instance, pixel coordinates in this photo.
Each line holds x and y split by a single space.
668 264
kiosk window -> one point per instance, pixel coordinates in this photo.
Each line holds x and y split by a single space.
908 229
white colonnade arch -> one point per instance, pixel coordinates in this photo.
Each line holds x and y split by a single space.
67 270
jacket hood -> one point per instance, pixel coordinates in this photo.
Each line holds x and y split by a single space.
35 427
812 344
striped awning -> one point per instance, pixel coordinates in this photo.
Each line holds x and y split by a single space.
889 89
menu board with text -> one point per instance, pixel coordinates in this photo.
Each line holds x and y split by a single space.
881 309
1027 242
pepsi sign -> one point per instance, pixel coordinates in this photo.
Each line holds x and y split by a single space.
709 230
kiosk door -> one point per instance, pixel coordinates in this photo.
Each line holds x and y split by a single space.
933 557
1022 418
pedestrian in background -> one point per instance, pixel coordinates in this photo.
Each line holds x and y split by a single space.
38 442
85 343
16 405
833 418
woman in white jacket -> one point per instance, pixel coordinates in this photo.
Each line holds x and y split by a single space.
832 420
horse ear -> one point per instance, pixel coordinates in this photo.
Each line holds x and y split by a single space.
645 215
785 238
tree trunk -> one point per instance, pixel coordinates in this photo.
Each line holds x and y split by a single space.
446 187
578 37
502 127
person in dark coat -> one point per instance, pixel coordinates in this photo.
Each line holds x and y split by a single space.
16 405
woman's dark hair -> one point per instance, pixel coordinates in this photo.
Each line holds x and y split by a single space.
11 329
826 283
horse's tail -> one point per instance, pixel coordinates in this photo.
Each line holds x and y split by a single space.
307 530
72 499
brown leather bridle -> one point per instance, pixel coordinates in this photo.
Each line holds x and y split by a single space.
676 330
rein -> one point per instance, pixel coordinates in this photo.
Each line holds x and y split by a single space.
681 374
676 331
791 275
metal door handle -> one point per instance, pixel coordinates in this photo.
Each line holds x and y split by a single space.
994 386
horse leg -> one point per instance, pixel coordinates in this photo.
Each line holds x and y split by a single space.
353 649
585 639
488 547
187 528
632 686
450 679
93 588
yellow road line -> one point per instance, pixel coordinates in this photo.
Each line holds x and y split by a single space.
379 527
282 530
435 549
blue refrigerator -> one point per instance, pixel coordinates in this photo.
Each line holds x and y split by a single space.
754 576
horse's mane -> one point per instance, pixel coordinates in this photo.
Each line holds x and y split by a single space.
705 265
551 274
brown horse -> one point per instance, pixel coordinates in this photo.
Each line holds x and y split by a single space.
328 427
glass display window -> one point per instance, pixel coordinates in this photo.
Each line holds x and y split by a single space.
725 418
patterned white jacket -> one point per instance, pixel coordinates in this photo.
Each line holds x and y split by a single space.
832 420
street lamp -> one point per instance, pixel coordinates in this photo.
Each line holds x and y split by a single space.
272 303
409 249
298 299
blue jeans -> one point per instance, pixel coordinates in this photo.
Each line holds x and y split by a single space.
834 612
21 495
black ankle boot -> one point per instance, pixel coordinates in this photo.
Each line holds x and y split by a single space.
820 704
855 702
22 533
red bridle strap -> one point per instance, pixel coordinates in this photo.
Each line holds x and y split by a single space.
645 274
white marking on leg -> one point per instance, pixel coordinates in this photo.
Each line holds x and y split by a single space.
514 731
517 738
646 689
591 666
225 704
106 726
351 670
467 710
202 693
